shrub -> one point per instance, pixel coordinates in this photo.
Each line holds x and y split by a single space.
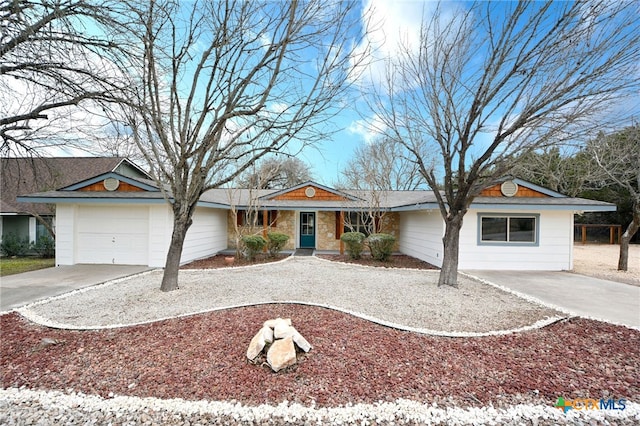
254 245
354 242
12 245
381 246
276 243
45 246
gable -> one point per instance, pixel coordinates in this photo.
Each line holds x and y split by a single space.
112 182
522 191
25 175
310 192
102 186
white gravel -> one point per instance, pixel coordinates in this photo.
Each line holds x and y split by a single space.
23 406
405 298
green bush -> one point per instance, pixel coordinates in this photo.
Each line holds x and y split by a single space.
254 245
381 246
12 245
45 246
276 243
354 242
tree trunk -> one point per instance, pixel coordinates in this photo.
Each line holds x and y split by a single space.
451 241
172 265
623 260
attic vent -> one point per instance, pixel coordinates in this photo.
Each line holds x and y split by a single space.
111 184
310 192
509 188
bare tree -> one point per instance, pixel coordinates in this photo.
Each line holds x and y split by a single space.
381 165
55 56
618 156
225 83
276 173
570 172
492 80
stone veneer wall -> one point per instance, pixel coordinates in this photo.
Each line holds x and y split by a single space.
325 232
285 224
325 229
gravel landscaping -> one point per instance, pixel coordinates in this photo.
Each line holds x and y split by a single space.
402 297
193 369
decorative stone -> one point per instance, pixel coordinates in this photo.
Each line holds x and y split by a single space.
281 354
267 333
282 329
283 338
301 341
256 345
272 323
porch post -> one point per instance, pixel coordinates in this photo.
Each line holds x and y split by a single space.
340 231
265 225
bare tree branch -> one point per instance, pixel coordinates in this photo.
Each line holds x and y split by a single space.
492 81
54 56
224 84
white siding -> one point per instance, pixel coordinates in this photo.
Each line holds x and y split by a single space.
421 235
65 234
160 228
554 252
206 236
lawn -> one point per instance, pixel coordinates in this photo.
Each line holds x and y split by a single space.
10 266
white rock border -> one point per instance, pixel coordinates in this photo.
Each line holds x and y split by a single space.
33 317
402 410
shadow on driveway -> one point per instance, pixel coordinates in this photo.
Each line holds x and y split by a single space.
21 289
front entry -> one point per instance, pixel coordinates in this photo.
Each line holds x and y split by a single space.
307 230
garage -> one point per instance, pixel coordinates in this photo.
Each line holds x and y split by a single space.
112 234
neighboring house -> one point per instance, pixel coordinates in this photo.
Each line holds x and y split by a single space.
20 176
116 219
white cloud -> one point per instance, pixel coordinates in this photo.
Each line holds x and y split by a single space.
368 129
390 25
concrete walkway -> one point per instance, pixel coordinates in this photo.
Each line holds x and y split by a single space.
20 289
578 294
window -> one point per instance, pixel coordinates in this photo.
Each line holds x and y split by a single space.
509 229
247 217
357 222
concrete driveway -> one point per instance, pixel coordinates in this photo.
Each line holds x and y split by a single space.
578 294
21 289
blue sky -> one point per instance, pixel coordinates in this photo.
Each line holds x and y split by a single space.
394 22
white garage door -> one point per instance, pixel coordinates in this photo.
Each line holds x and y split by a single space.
108 234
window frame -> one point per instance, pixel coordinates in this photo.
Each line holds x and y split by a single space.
360 225
508 242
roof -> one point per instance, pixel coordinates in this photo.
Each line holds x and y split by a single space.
21 176
272 199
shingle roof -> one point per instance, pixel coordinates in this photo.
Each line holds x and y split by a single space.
386 200
21 176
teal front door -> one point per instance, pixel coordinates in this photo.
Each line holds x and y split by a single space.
307 230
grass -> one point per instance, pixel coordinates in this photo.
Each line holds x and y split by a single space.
10 266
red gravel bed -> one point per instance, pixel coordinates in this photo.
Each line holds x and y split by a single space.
353 360
396 261
218 261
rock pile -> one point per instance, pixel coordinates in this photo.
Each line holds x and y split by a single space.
280 339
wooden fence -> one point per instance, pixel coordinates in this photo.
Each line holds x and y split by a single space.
582 227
